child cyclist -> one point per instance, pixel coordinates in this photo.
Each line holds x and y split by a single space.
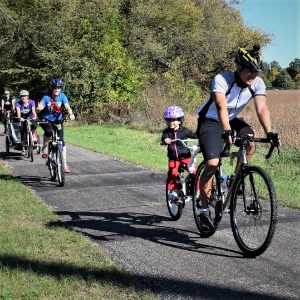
50 109
177 153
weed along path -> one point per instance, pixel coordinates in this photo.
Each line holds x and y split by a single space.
122 208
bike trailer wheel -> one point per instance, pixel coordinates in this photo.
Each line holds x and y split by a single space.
7 145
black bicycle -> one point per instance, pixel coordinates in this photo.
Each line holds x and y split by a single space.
29 143
248 196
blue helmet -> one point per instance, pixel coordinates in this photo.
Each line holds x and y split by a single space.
56 82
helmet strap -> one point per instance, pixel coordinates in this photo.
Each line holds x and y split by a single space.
238 80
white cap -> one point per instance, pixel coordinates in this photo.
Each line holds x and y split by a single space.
24 93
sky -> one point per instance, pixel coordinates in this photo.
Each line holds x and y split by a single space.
280 19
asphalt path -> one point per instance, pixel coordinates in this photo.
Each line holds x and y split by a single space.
121 207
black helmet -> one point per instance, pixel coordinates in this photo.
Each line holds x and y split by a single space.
56 82
250 59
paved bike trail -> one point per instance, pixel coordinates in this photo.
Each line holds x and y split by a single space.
122 208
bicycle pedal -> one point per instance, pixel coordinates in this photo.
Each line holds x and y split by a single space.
178 201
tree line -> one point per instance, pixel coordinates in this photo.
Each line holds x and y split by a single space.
119 56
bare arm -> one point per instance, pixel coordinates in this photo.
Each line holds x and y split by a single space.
18 112
68 108
263 113
34 112
221 103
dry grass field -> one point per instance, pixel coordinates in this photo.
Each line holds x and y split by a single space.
285 113
285 107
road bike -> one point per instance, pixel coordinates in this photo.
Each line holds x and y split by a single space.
248 195
55 153
185 182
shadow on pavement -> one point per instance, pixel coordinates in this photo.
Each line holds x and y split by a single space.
136 225
155 284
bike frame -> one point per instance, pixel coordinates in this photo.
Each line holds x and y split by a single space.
241 163
195 150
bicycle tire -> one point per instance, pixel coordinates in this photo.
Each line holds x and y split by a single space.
260 215
38 146
52 163
60 167
7 145
197 205
30 146
175 210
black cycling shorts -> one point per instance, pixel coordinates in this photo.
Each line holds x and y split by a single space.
48 131
210 135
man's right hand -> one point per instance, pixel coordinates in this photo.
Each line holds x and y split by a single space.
227 136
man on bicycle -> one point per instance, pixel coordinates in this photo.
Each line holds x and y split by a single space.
230 93
50 109
25 109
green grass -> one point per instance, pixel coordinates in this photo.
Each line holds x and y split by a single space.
40 259
143 148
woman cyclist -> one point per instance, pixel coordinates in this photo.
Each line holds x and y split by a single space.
26 109
7 104
50 109
177 153
230 93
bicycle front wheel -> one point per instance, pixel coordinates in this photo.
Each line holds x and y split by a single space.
174 209
30 146
253 212
60 167
52 163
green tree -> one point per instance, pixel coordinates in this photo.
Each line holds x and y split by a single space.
283 81
294 69
107 51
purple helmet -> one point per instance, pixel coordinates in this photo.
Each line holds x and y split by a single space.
174 112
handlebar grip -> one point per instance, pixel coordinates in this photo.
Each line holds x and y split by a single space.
270 152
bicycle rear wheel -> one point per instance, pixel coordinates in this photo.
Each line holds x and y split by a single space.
175 210
253 212
38 145
60 167
52 162
197 204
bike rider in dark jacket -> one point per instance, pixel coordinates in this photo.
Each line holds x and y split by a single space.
177 153
7 104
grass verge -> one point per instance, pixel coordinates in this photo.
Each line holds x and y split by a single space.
143 148
39 259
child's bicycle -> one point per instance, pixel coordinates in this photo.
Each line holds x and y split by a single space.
248 196
185 182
